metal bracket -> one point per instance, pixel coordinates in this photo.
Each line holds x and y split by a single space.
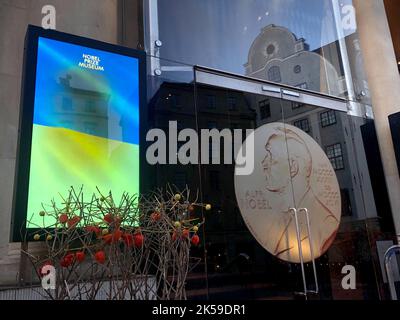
291 93
271 89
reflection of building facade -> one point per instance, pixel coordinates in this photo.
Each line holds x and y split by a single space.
81 110
288 61
173 102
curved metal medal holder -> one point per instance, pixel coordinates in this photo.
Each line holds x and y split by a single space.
391 253
296 213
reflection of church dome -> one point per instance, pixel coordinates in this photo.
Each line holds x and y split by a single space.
272 42
278 55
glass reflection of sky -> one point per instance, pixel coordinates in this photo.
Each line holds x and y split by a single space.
219 33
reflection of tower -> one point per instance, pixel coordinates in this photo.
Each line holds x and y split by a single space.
80 109
277 55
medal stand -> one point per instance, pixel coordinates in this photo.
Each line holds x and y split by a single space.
306 292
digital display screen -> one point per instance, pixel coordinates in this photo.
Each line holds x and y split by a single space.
85 125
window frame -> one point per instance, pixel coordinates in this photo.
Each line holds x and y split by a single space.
267 104
333 158
302 120
274 73
211 98
328 121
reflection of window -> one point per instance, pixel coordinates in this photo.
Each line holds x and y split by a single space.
175 101
296 105
179 180
90 107
302 124
67 104
346 204
270 49
211 102
265 109
335 155
89 127
274 74
214 180
328 118
231 103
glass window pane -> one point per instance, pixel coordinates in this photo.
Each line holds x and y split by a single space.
292 42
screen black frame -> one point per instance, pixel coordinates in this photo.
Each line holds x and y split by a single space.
26 112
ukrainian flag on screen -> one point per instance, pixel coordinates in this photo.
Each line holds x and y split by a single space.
86 124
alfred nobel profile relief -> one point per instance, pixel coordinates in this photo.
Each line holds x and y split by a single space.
290 171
